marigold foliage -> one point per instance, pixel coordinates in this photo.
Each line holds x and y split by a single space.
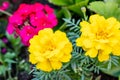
100 37
48 50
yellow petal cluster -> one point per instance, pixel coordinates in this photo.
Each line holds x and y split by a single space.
49 49
100 37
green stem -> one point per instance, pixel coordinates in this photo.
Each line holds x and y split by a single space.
5 12
83 9
9 72
4 75
84 14
62 27
119 77
17 66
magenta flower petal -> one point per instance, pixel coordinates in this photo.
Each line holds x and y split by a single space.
6 4
48 9
10 28
26 33
5 40
29 19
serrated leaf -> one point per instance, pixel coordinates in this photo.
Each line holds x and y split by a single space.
108 9
97 6
66 76
74 67
117 1
61 2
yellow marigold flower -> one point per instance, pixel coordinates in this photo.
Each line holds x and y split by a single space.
48 50
100 37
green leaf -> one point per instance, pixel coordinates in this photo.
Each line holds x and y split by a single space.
1 57
66 13
2 69
61 2
15 42
77 7
114 69
2 44
3 24
66 76
108 9
97 6
9 55
9 60
9 37
117 1
76 1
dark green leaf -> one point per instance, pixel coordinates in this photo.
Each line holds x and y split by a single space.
77 7
3 24
66 12
61 2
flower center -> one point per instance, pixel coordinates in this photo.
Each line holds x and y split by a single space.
49 49
50 46
101 35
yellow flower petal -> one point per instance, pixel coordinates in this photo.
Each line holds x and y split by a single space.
32 59
88 43
92 52
79 41
47 50
45 66
56 65
103 56
100 37
65 58
116 50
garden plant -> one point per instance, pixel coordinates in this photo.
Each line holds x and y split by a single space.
59 39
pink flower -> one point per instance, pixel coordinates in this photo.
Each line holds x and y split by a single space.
2 8
24 10
48 9
35 18
16 19
5 40
29 19
26 34
10 28
37 7
5 5
3 50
